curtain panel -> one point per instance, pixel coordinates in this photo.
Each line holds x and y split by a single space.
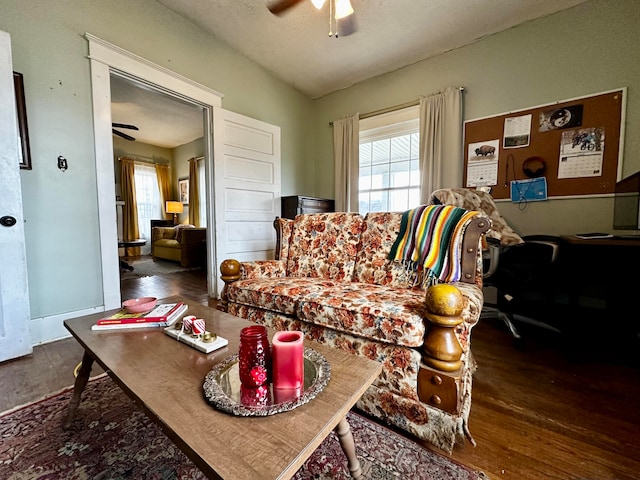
194 193
346 151
440 142
164 186
130 209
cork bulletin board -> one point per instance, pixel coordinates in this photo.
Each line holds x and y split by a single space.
574 145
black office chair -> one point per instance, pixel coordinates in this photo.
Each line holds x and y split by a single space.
523 276
519 268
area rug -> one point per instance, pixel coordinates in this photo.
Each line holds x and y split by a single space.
117 441
145 266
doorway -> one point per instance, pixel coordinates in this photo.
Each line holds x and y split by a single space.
162 135
107 59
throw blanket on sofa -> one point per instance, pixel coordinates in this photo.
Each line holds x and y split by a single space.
428 243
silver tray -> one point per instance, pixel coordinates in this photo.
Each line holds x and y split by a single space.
223 389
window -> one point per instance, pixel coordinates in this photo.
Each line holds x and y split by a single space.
148 200
389 172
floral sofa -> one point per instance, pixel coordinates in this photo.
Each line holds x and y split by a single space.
332 280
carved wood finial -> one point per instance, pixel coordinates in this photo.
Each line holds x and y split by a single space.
230 270
441 349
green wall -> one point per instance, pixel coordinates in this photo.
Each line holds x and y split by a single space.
60 208
581 51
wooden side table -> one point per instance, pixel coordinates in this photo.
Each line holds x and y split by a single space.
126 244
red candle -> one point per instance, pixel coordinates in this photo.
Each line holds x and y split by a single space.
287 356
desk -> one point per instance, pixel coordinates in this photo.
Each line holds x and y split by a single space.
126 244
603 272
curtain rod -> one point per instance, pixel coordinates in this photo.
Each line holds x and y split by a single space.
140 159
382 111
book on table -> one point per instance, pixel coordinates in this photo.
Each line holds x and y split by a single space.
162 315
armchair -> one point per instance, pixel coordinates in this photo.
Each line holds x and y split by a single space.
519 268
183 243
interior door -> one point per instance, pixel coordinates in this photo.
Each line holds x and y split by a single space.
15 339
247 187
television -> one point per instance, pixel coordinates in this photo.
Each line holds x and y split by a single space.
626 209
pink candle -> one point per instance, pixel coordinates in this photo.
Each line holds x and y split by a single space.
287 356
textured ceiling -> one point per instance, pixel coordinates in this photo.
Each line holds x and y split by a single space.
296 48
390 34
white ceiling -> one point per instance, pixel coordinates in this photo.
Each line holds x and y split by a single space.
295 47
162 120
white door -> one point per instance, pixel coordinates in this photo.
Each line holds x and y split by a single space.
15 339
247 187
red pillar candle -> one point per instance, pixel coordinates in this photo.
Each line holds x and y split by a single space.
287 356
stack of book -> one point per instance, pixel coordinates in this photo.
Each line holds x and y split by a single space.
162 315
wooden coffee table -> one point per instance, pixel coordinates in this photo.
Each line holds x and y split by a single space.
165 378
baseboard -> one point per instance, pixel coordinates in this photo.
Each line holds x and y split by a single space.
51 328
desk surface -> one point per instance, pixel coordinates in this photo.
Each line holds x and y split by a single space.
165 377
608 242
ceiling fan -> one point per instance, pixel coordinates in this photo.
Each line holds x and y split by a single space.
122 134
340 14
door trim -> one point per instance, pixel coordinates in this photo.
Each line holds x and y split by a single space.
104 58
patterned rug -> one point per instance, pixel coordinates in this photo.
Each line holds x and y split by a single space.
145 266
117 441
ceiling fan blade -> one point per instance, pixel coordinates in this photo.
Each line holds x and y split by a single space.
280 6
347 26
123 135
124 125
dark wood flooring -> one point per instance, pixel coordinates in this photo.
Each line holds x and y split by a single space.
551 410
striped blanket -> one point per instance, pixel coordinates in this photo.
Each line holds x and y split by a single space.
429 242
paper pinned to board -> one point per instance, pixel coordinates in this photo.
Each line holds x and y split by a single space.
529 190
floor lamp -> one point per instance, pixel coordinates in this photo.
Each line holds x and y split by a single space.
175 208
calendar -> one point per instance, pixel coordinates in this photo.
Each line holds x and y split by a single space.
577 166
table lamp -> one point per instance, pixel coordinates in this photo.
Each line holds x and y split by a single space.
175 208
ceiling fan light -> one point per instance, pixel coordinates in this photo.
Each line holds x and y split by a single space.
343 9
318 3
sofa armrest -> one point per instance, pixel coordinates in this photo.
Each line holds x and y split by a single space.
232 270
191 235
263 269
471 255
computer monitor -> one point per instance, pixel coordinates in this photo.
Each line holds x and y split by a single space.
626 210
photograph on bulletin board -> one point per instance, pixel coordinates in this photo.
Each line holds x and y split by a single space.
559 118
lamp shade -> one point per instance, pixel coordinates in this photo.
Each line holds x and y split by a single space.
174 207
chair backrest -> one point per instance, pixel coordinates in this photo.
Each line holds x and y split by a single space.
483 203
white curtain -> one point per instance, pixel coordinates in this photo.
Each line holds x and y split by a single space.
148 200
440 142
346 141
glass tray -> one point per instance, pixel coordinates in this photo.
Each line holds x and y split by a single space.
223 389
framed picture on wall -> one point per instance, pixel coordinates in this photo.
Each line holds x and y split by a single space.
183 190
24 151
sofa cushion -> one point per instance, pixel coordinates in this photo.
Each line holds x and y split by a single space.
324 245
167 242
377 312
379 232
276 294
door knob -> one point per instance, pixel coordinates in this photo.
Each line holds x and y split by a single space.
7 221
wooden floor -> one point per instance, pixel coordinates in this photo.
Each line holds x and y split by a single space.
542 412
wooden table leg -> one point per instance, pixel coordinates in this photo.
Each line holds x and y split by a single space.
343 430
78 388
